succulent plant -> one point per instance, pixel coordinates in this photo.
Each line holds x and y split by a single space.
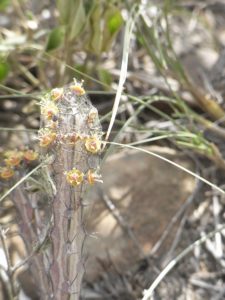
51 214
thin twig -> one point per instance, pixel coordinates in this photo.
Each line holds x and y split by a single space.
12 289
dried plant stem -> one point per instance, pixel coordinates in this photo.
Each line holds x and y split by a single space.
10 285
30 236
208 104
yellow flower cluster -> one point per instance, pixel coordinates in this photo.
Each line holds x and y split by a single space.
46 137
52 116
72 138
49 110
77 88
75 177
6 173
93 144
92 116
14 159
56 94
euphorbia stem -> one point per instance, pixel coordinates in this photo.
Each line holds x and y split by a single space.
71 134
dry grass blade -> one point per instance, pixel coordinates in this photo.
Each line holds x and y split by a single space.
170 162
123 73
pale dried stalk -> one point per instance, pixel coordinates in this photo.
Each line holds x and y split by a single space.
29 233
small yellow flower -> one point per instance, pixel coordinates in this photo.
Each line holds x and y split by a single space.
13 158
49 110
46 137
93 144
6 173
77 87
93 177
10 153
74 177
92 116
72 138
56 94
30 155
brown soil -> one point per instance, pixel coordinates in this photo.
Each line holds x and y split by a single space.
146 192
